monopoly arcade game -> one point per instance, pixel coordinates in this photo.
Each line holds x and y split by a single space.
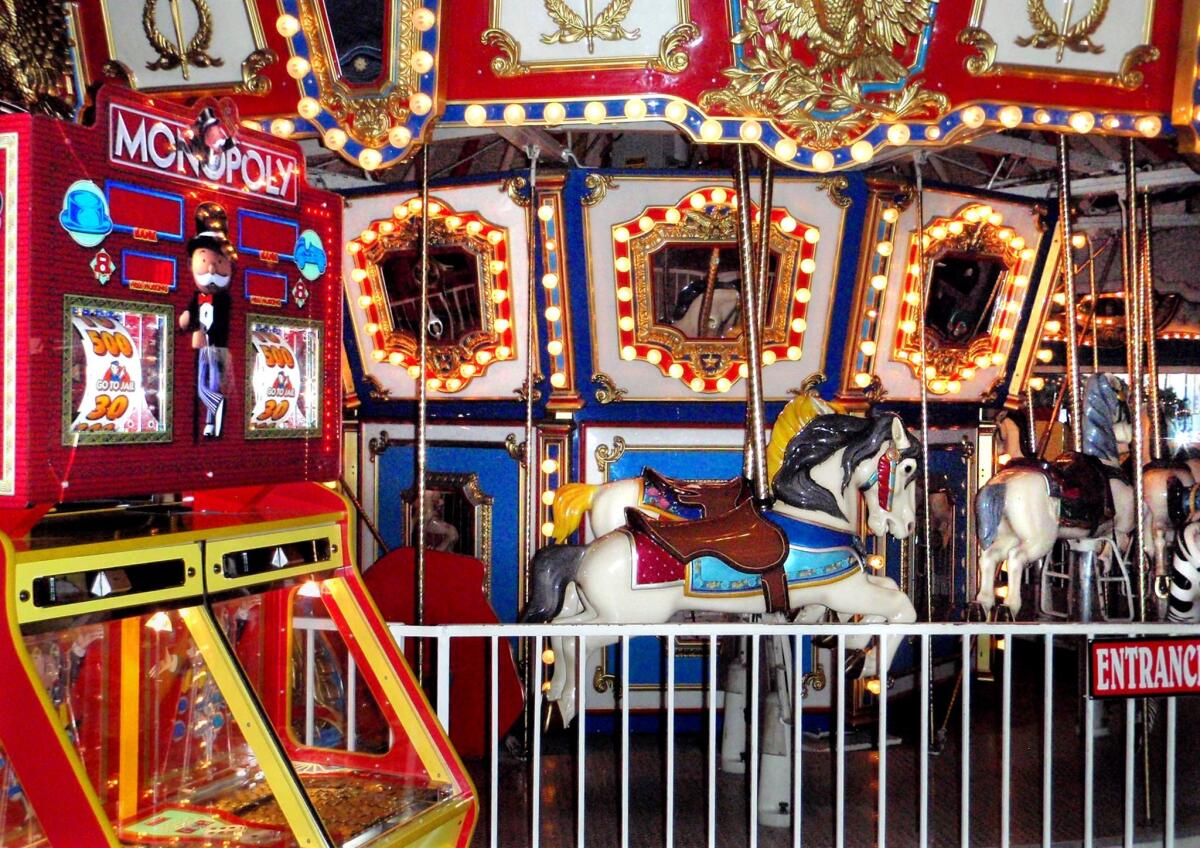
189 655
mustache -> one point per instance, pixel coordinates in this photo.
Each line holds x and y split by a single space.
212 279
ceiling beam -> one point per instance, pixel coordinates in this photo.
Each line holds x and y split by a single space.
1162 221
1115 184
1043 154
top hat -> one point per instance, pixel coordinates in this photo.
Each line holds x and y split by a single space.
84 211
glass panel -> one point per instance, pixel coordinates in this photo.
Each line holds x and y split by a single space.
284 390
362 780
19 826
195 780
455 311
961 289
696 288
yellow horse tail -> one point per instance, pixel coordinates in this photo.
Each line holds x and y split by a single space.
570 503
799 411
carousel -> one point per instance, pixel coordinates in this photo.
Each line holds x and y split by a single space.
702 422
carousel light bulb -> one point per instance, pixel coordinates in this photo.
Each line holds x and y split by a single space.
938 232
553 313
696 384
676 112
891 215
879 282
369 159
1005 334
396 357
768 357
646 223
1001 592
899 134
1082 122
495 236
912 298
750 131
1041 116
1004 459
545 685
502 324
862 151
622 264
434 383
799 325
287 25
624 294
794 352
968 373
1004 234
1078 240
545 212
812 235
420 103
914 270
353 247
998 359
358 275
1045 355
724 384
308 107
875 562
628 352
497 266
916 359
1053 326
711 130
595 112
653 356
1110 122
554 347
995 219
867 347
422 61
379 355
554 113
676 370
938 386
399 136
558 379
874 686
621 235
743 371
548 497
365 300
423 19
884 248
454 384
955 227
1148 125
483 357
474 228
672 216
371 327
1010 116
1037 383
803 295
786 149
336 138
626 323
283 127
368 237
807 266
933 132
1017 243
1020 281
468 369
973 117
499 296
822 161
503 352
297 67
719 195
908 326
635 108
514 114
697 201
862 379
475 115
549 281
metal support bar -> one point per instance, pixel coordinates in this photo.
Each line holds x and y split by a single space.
753 345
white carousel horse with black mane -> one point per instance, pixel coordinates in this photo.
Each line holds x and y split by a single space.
1081 498
625 576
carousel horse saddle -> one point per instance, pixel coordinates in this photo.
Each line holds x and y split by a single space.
1080 483
741 538
714 498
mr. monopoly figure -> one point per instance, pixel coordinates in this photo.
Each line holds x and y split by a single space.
207 315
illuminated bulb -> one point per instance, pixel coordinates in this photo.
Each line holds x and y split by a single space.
558 379
803 295
724 384
474 228
468 369
548 531
997 359
968 373
621 235
874 686
912 298
938 386
908 326
554 347
862 379
550 281
335 139
867 347
697 201
454 384
160 622
420 103
626 323
495 236
386 227
799 325
822 161
1082 122
502 324
1041 116
545 685
710 130
514 114
1013 307
499 296
549 466
399 136
743 371
625 294
371 327
545 212
368 236
422 61
899 134
1004 234
1004 459
673 216
622 264
676 370
1037 383
287 25
308 107
954 387
807 266
875 562
370 159
676 112
646 223
423 19
1001 592
365 300
595 112
750 131
891 215
995 219
653 356
628 352
548 497
914 270
786 149
938 232
884 248
553 313
862 151
635 108
955 228
475 115
812 235
497 266
1017 243
1045 355
1053 326
1000 641
379 355
358 275
696 384
282 127
1078 240
1148 125
879 282
1010 116
1020 281
483 357
554 113
396 357
434 383
973 117
768 357
933 133
719 195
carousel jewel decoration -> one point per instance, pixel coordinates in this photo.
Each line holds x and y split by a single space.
827 71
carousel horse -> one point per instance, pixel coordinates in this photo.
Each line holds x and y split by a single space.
1081 498
723 320
738 562
1184 604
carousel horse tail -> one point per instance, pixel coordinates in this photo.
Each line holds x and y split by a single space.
550 571
989 512
571 502
1185 577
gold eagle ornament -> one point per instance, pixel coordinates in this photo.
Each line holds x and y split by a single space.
35 60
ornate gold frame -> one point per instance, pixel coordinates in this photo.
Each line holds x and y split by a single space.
984 62
466 484
975 227
449 367
707 216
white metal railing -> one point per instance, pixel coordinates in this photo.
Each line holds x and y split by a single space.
1051 635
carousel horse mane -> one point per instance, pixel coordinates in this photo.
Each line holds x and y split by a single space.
792 419
1103 400
819 440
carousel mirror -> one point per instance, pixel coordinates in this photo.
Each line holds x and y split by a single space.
696 288
455 292
962 287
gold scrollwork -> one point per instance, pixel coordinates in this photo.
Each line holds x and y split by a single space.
517 189
609 391
522 391
810 385
606 456
602 682
514 448
597 186
852 45
254 81
606 25
378 390
984 62
180 55
672 57
1128 76
834 186
1048 34
508 63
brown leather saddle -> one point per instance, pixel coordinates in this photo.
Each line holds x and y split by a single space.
741 538
1080 483
714 498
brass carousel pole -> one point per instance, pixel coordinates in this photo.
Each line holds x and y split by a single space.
756 438
422 412
528 455
1068 265
762 270
923 377
1133 350
1149 339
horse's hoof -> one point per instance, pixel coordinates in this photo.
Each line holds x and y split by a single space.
855 661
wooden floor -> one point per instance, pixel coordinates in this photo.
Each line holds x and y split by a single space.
647 779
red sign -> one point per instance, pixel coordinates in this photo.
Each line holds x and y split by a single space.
158 143
1143 667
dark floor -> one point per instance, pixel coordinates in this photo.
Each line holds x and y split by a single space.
647 778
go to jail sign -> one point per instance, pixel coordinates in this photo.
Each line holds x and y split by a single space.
1127 668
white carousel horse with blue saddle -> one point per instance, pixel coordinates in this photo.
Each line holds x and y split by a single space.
1081 498
627 576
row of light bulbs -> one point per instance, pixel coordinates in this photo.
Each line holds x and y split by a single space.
552 313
